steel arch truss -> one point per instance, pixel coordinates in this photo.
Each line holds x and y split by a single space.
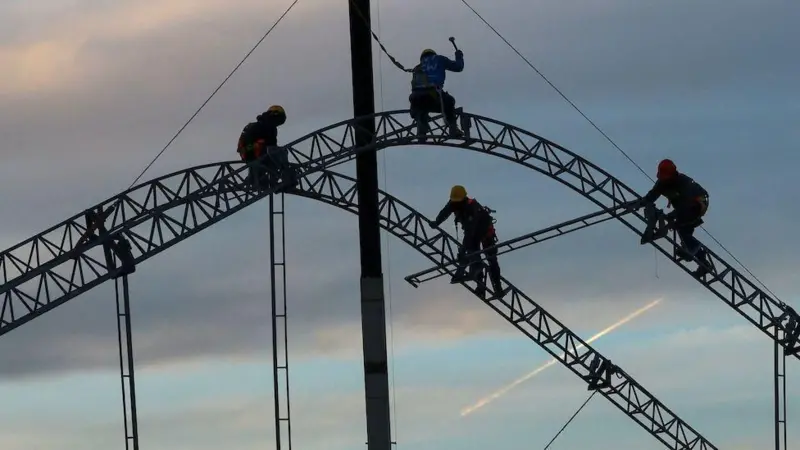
48 269
520 310
440 248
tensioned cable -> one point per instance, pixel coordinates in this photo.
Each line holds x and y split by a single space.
596 127
246 56
387 239
569 421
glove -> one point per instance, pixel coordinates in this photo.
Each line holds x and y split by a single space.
459 54
637 204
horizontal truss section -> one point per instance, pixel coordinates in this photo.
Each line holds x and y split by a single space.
526 240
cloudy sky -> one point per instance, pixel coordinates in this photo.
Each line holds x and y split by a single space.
90 90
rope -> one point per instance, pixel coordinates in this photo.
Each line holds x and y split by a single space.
569 421
574 106
378 40
246 56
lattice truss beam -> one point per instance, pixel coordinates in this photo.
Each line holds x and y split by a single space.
440 248
526 240
521 311
52 267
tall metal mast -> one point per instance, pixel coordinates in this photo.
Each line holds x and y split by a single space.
373 302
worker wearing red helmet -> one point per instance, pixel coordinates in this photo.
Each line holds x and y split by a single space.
689 201
478 225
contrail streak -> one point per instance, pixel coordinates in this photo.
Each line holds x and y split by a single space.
502 391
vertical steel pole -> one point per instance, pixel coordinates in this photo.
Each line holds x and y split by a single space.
126 362
373 303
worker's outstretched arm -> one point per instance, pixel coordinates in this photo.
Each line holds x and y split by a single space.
454 66
443 215
654 193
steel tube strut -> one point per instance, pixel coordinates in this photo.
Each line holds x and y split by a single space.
781 430
526 240
279 322
127 377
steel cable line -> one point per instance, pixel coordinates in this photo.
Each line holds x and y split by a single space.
246 56
596 127
574 415
387 237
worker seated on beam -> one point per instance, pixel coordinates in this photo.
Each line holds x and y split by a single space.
478 224
259 141
689 201
427 88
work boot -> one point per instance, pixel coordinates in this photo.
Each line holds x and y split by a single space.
499 292
480 291
460 275
422 125
453 129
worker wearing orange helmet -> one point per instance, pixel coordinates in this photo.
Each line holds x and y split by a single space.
478 224
689 201
260 138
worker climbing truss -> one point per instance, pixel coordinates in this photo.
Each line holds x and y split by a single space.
48 269
71 258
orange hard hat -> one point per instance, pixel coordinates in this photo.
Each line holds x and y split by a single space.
666 169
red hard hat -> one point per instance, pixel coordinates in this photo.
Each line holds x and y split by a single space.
666 169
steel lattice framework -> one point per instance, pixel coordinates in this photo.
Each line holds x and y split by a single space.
411 226
52 267
47 270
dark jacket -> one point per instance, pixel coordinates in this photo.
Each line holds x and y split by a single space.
260 130
432 71
680 190
472 216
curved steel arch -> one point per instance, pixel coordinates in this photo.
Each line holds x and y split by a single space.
411 227
29 268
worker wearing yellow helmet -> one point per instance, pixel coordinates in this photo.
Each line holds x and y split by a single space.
260 138
478 224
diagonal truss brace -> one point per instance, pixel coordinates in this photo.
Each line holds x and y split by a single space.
48 269
527 240
522 312
411 227
187 214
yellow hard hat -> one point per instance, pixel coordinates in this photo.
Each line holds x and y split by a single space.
458 193
276 109
276 113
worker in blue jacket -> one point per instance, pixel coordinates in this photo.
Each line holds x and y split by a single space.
427 86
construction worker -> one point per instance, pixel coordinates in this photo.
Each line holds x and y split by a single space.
427 87
261 138
478 225
689 201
